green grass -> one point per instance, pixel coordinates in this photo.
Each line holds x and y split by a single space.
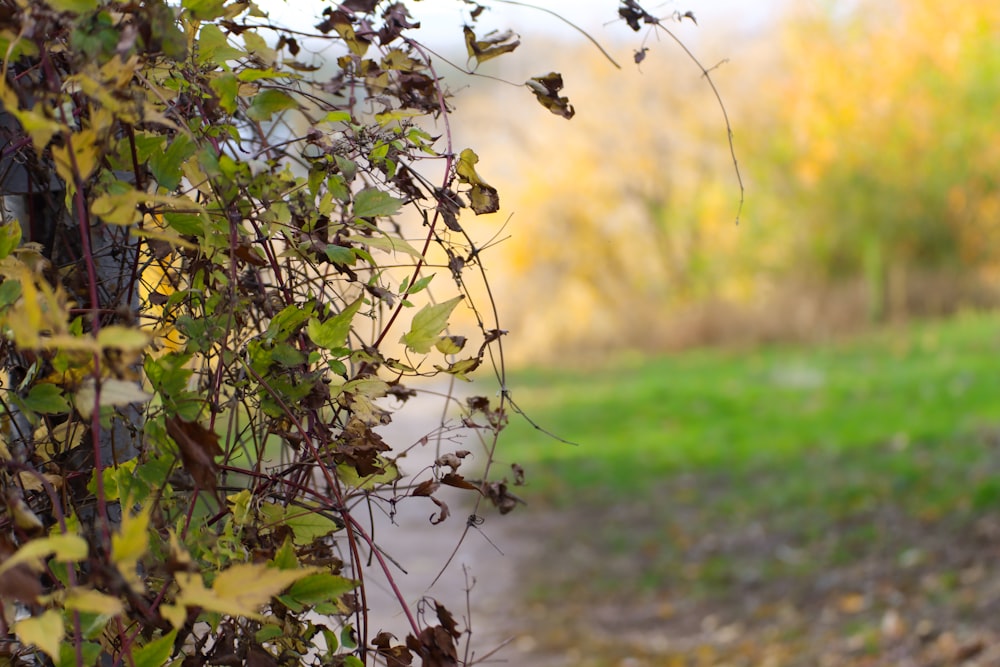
891 392
732 482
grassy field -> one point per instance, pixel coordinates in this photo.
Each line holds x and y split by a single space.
637 419
816 499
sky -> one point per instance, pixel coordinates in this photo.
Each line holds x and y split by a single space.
442 19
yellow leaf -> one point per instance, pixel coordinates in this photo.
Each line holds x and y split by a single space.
129 545
125 338
81 161
67 549
30 481
240 590
113 392
45 631
174 613
82 599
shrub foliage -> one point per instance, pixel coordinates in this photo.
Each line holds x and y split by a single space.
217 258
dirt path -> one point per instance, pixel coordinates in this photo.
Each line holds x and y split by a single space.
480 584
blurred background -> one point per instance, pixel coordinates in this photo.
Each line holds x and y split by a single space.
785 427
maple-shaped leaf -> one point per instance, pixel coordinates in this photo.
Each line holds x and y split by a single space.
493 44
546 88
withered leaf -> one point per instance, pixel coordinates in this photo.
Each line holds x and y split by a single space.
518 474
447 620
452 460
632 13
363 6
258 657
360 447
436 646
546 88
441 516
500 496
457 481
395 656
198 447
20 583
483 197
493 44
448 207
426 488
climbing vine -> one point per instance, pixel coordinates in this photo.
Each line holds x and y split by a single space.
217 272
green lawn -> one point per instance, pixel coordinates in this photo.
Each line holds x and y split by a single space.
799 495
635 420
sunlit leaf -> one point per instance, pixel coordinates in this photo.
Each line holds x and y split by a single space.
239 590
387 243
333 333
428 324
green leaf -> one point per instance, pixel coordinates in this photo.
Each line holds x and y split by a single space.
317 588
10 291
47 399
387 243
333 333
155 653
205 10
419 285
338 254
90 651
307 525
227 87
287 321
10 237
269 102
166 165
372 202
427 325
213 46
